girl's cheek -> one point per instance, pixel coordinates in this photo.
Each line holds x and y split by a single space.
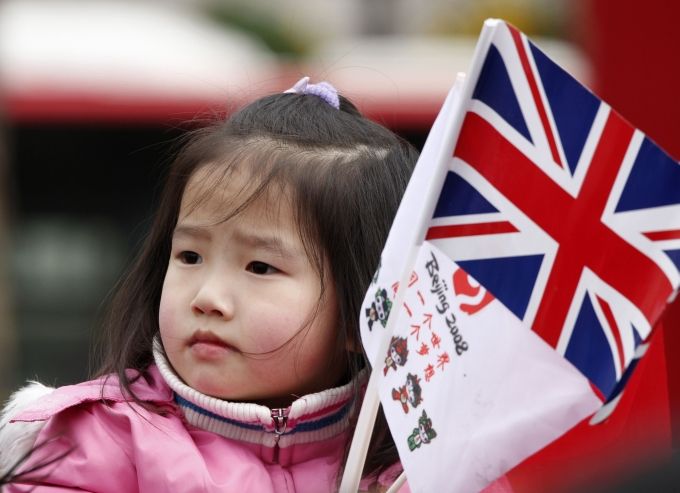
165 316
271 332
265 341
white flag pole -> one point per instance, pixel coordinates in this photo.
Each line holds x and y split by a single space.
398 483
369 407
449 121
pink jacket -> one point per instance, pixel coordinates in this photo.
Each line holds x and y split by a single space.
121 447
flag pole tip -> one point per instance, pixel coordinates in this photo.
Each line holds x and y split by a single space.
492 22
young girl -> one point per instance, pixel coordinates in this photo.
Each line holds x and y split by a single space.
232 353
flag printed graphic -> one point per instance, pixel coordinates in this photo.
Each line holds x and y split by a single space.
555 232
466 387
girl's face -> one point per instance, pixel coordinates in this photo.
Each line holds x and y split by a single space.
241 286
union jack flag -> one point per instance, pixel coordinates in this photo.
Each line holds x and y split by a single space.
562 210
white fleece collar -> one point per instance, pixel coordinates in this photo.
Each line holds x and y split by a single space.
310 418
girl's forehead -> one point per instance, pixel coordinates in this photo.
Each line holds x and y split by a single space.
228 193
210 180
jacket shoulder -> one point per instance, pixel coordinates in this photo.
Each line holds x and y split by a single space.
147 387
19 438
29 409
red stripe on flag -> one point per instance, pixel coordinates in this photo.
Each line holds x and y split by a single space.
663 235
606 309
455 230
543 115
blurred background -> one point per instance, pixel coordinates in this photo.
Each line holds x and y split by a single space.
94 93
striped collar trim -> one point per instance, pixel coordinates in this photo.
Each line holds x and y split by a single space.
311 418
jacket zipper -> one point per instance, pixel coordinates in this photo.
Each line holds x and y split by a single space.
280 418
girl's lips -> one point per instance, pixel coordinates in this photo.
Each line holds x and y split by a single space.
208 346
206 336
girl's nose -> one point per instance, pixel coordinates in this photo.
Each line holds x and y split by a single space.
213 299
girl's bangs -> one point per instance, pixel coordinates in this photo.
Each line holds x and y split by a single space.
265 170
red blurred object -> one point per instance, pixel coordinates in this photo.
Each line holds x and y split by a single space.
633 48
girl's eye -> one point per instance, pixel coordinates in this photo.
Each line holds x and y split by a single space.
261 268
190 258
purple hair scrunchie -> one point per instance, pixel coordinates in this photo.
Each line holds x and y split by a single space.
324 90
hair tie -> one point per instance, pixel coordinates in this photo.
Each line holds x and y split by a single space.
324 90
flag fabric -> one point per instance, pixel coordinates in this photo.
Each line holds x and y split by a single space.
563 210
518 299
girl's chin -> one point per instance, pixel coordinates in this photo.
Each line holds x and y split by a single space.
211 383
213 391
228 394
219 382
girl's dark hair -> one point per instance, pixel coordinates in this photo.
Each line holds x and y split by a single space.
344 175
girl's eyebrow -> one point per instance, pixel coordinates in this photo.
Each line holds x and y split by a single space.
271 243
191 231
